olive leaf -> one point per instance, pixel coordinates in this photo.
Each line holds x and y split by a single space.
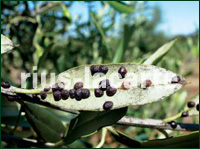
181 141
121 7
160 53
6 44
161 86
190 140
47 125
88 122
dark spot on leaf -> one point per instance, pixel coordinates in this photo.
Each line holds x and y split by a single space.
85 93
78 85
108 105
78 94
176 79
57 95
122 71
104 84
98 93
110 91
64 94
72 93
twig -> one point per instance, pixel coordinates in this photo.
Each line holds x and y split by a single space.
32 100
130 121
156 124
49 6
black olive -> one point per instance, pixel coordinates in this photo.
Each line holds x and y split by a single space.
110 91
5 84
43 95
78 85
57 95
103 69
173 124
122 71
98 93
104 84
185 114
64 94
72 93
108 105
176 79
78 94
85 93
191 104
197 107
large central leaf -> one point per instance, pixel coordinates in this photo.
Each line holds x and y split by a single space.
136 95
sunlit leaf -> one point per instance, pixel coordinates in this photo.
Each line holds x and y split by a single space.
135 95
121 7
6 44
160 53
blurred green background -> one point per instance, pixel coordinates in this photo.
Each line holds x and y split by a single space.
50 37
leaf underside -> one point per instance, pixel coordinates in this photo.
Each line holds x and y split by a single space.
161 86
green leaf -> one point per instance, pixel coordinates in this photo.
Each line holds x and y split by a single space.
190 140
47 125
182 141
66 13
94 19
9 109
160 53
89 122
126 140
161 86
6 44
123 44
121 7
